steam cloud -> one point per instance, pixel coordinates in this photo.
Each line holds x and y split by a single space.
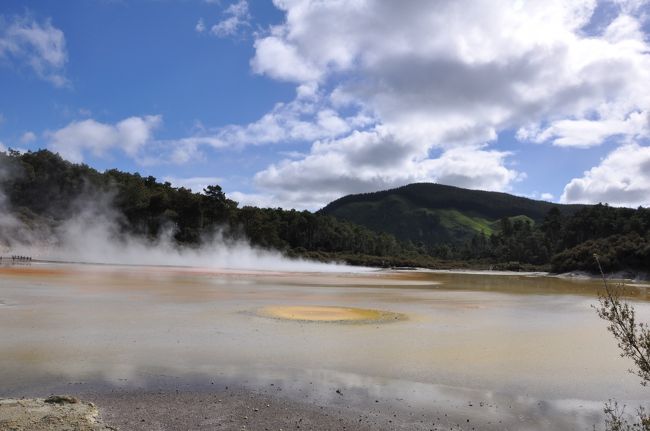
92 235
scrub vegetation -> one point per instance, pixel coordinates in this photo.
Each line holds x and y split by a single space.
633 338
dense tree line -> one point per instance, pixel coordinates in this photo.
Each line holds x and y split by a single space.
620 236
42 189
503 231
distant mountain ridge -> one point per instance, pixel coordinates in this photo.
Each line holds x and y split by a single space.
429 213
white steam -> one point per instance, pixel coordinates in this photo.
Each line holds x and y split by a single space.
13 232
92 235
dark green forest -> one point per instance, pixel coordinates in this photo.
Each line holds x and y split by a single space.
425 225
502 230
434 214
43 190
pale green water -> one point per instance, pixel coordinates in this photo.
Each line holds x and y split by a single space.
517 339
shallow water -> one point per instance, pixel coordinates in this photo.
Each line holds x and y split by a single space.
530 342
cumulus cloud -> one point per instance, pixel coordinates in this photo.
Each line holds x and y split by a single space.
622 178
295 121
547 196
260 200
80 137
28 137
441 80
418 62
200 26
373 160
394 92
616 70
39 46
196 184
282 61
307 118
587 133
631 6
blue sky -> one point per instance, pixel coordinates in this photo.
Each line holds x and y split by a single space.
294 103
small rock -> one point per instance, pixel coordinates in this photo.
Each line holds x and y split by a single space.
61 399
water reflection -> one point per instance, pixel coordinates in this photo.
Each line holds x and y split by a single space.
523 341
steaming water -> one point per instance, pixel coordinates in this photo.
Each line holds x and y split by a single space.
530 345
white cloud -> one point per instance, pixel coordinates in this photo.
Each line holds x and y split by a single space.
539 196
446 78
631 6
39 46
303 119
622 178
236 17
254 199
295 121
547 196
196 184
185 150
239 8
2 147
587 133
200 26
394 92
373 160
28 137
79 137
619 64
282 61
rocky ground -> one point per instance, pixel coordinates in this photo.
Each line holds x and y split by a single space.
56 413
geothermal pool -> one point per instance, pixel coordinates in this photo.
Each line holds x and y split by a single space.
528 349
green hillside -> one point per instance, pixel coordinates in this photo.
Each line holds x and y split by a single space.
430 214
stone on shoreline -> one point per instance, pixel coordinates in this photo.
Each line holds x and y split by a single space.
56 413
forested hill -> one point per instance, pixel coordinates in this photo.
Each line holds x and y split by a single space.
511 232
431 214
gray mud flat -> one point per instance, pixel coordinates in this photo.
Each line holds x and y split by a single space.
52 414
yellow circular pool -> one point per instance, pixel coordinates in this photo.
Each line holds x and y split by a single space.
317 313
